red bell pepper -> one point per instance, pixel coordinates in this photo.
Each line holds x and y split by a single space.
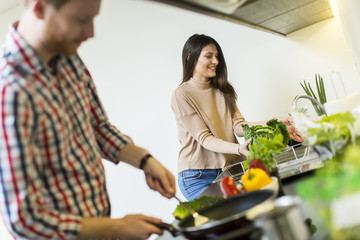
228 186
256 163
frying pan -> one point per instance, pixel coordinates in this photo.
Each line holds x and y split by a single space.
228 215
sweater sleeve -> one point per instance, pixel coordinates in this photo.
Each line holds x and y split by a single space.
187 117
238 120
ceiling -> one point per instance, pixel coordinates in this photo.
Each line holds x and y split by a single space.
276 16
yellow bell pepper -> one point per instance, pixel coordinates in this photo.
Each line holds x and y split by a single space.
255 179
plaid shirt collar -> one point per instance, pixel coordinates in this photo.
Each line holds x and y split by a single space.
20 51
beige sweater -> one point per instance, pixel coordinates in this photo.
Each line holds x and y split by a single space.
205 127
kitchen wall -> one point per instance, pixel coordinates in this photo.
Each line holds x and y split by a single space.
135 60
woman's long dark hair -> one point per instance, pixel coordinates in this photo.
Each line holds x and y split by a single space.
190 56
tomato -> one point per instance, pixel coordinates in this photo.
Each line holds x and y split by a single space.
228 186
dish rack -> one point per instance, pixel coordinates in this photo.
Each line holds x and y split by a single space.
293 161
298 159
235 171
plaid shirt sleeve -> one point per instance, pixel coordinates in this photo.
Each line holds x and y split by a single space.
23 205
109 138
53 134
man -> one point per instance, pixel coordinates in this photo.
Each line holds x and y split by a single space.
54 133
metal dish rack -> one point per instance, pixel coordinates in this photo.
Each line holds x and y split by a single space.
293 161
298 159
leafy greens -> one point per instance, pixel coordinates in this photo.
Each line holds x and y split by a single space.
269 131
197 204
267 141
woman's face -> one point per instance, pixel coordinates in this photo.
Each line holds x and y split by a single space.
206 64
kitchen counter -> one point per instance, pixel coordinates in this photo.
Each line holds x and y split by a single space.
289 189
295 164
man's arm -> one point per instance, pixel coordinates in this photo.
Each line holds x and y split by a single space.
157 176
23 204
129 227
116 147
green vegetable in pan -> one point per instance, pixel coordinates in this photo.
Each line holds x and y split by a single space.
197 204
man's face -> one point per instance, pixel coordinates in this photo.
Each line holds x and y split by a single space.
68 26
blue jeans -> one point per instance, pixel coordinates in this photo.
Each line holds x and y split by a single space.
193 182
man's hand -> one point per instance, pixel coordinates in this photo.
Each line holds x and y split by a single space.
134 227
130 227
159 178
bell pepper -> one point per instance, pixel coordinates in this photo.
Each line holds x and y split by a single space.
255 179
228 186
256 163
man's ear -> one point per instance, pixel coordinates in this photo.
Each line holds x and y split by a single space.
38 7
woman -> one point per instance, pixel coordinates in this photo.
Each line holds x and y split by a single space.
207 117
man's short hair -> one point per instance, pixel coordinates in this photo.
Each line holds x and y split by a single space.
56 3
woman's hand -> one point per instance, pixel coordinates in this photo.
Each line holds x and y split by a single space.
159 178
244 148
294 133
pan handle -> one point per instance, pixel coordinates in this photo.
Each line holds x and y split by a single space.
166 226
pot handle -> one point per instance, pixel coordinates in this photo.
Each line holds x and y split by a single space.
259 209
169 227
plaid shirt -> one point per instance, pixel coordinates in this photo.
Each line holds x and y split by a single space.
53 136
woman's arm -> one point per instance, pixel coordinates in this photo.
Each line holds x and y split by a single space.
190 122
201 133
294 134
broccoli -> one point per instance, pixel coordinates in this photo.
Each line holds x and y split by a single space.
272 127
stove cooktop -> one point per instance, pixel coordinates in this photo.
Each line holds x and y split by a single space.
244 233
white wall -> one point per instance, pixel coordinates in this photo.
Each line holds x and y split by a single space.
349 18
135 60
